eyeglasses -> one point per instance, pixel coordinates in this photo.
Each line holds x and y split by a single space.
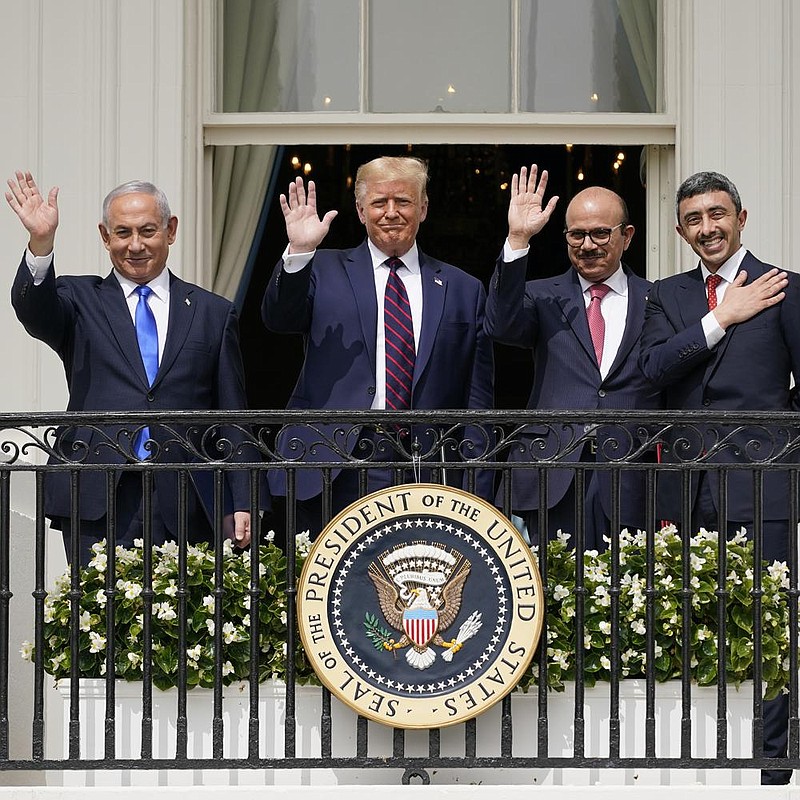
575 238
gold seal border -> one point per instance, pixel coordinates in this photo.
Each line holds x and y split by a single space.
526 604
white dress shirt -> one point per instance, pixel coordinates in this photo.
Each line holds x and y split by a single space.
614 307
412 279
727 272
158 300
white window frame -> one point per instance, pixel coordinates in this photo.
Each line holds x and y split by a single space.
212 128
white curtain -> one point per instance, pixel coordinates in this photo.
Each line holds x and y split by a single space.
252 81
639 22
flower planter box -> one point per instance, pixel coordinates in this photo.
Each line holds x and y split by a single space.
272 707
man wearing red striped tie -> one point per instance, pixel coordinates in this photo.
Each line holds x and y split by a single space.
724 337
386 327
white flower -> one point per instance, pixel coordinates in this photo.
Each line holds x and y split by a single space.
605 663
169 549
96 642
61 586
283 617
208 603
138 543
210 626
302 543
193 653
100 598
229 633
99 562
56 661
26 650
85 621
130 589
172 589
227 668
134 658
164 610
638 626
605 627
559 593
246 620
49 610
269 536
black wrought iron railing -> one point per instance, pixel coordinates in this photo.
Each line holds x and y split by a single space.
629 612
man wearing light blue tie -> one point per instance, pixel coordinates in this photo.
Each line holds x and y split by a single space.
139 339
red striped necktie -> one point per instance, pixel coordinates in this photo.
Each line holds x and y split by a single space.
399 337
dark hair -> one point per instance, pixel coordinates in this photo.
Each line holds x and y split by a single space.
703 183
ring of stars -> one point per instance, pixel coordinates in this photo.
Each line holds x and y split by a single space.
453 682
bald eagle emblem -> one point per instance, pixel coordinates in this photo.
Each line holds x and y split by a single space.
419 588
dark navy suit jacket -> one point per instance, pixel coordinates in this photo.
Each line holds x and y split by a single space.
549 317
748 370
86 320
332 303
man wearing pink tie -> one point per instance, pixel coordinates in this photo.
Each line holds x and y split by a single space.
583 329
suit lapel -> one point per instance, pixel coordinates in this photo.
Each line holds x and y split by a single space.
434 292
359 271
182 306
570 298
634 318
691 297
120 325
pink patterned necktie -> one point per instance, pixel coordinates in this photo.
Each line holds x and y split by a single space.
712 281
597 325
399 339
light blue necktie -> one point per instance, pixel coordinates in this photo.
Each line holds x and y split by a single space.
147 335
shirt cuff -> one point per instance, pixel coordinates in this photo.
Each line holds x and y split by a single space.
513 255
294 262
38 265
712 330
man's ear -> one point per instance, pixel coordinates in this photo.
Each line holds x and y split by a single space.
172 229
104 235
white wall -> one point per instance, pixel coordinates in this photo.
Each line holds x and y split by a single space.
92 96
739 111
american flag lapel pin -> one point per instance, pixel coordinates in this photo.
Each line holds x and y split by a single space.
187 301
438 281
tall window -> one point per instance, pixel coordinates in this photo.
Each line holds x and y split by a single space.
443 56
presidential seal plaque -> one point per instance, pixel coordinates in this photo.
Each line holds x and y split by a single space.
420 606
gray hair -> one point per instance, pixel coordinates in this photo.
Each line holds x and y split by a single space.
703 183
138 187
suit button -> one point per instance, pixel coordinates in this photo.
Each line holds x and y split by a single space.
370 390
601 393
706 402
151 397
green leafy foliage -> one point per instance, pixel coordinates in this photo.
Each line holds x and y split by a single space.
201 598
737 596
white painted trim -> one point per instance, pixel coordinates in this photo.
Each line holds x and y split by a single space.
353 128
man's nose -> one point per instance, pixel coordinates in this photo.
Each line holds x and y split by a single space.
136 244
707 224
391 209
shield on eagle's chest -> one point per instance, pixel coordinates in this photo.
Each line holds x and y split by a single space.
420 624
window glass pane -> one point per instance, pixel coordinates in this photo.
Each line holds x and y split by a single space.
290 55
589 55
446 55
